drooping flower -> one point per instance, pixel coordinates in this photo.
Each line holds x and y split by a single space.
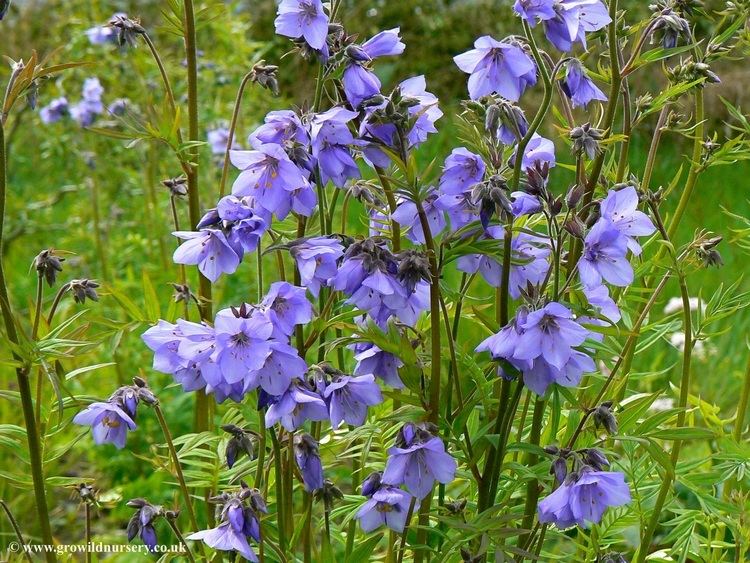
461 172
542 374
296 405
287 306
503 344
281 127
360 84
578 86
525 204
598 297
372 360
303 19
209 249
239 521
573 19
218 139
269 176
407 216
331 142
384 44
141 524
605 257
349 396
533 11
583 498
54 111
317 259
307 456
109 423
461 209
388 505
496 67
539 150
550 332
620 207
418 460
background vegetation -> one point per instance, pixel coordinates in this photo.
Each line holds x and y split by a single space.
99 199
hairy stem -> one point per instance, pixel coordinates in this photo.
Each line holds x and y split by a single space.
16 530
232 127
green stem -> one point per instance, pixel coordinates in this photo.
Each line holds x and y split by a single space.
38 305
532 488
232 127
181 539
177 466
87 530
391 199
22 375
16 529
280 519
204 285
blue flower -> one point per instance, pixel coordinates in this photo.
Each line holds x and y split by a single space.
308 461
348 398
578 86
331 142
387 506
109 423
462 170
620 207
372 360
296 405
303 19
317 259
497 67
605 256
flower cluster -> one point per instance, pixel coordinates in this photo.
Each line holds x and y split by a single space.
417 461
84 112
239 515
111 420
248 347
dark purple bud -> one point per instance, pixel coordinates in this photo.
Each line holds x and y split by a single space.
257 502
457 506
596 459
48 265
413 267
611 557
127 30
552 450
329 494
574 195
604 417
148 535
559 469
4 5
357 53
210 219
586 140
133 526
177 186
83 289
266 76
575 227
371 484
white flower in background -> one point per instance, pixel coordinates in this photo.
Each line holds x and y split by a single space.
701 350
662 404
674 305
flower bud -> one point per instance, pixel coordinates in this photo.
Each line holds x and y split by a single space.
176 186
371 484
82 289
596 459
586 140
559 469
266 76
48 265
603 417
127 30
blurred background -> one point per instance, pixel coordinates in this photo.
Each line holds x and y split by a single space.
100 199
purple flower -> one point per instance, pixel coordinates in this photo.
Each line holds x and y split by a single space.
539 150
578 86
308 461
242 346
583 498
550 333
101 34
269 176
109 423
620 207
218 140
238 522
349 397
360 84
541 374
535 10
54 111
598 297
296 405
462 171
605 256
418 461
573 18
496 67
424 115
461 209
529 263
502 345
225 538
407 216
317 259
387 506
385 44
303 18
525 204
287 306
280 128
372 360
141 524
209 249
331 139
231 208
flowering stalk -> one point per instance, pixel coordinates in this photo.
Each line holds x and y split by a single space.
22 373
204 285
87 529
230 137
177 466
181 539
